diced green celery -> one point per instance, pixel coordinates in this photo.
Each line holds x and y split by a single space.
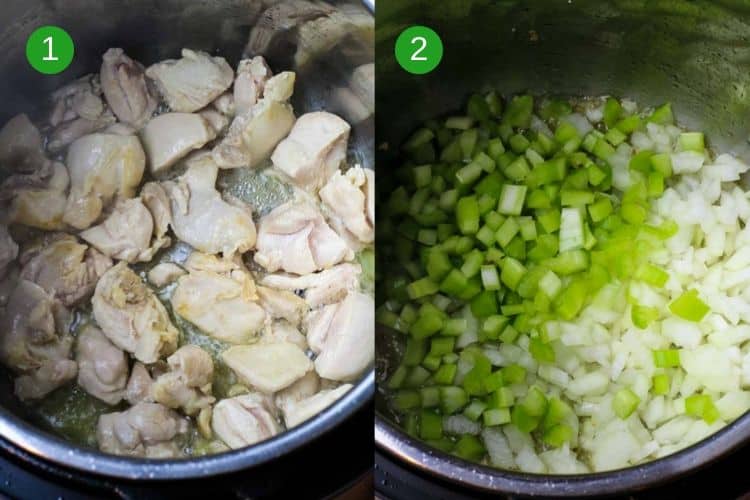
612 111
427 236
701 406
507 231
492 326
467 215
425 326
615 137
602 149
421 288
549 219
557 411
522 420
629 124
565 131
486 235
417 376
557 435
430 425
406 399
478 108
596 174
512 272
397 378
422 176
692 141
484 304
454 326
493 381
491 184
666 358
511 199
571 300
662 115
494 103
440 346
452 399
641 161
509 335
517 170
467 142
448 200
469 174
660 384
420 137
655 184
459 122
625 403
642 316
600 209
652 275
518 111
496 416
430 397
575 198
550 284
469 448
527 227
474 410
633 212
445 374
431 362
571 229
541 351
518 143
490 278
689 306
538 199
472 263
662 163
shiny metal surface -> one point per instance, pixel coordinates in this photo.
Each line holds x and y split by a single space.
151 30
695 54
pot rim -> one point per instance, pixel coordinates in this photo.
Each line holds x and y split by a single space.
416 454
48 447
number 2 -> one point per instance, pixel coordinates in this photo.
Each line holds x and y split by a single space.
415 56
49 57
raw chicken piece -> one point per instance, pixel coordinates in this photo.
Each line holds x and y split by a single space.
224 104
268 367
132 317
139 385
298 412
202 219
283 331
222 303
157 202
325 287
344 339
254 134
102 167
190 83
218 122
8 249
145 430
126 233
279 19
102 367
34 342
252 75
37 199
21 145
282 304
79 110
124 86
345 198
188 383
294 237
63 267
314 149
171 136
164 274
244 420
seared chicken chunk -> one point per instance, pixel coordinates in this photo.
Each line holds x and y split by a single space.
325 287
188 383
244 420
343 335
345 197
254 134
314 150
21 145
126 233
219 301
202 219
37 199
164 274
295 238
283 331
132 317
145 430
190 83
64 267
267 367
34 341
282 304
102 366
296 413
124 86
171 136
252 75
78 110
139 385
102 167
303 388
8 250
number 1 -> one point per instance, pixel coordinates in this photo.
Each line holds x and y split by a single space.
49 57
415 56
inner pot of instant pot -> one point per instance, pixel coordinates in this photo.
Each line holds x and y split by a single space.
694 54
151 31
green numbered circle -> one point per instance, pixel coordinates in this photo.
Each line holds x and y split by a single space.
49 50
419 50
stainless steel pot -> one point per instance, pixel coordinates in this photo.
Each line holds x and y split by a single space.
150 30
695 54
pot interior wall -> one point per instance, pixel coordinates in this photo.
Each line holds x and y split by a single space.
694 54
149 31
